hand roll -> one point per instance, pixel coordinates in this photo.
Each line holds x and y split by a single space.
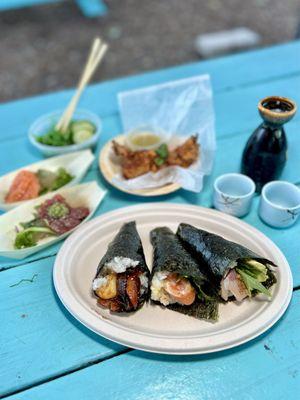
122 278
236 271
176 280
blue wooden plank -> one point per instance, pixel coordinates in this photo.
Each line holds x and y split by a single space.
10 4
92 8
266 368
39 338
227 73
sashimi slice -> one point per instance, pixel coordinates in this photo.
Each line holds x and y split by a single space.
25 186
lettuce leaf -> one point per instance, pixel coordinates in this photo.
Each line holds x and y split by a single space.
251 282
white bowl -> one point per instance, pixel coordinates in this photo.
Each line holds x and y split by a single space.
44 123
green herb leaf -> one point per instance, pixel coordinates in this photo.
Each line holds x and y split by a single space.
62 178
162 151
56 138
159 161
51 181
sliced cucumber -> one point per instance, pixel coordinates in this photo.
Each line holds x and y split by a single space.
83 126
82 135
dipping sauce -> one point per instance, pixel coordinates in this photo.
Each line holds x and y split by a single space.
277 106
144 140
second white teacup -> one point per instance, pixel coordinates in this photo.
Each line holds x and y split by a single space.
233 194
280 204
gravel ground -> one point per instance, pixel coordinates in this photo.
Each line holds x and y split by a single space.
44 47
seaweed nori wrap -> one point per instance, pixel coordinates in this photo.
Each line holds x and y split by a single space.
218 256
121 281
169 258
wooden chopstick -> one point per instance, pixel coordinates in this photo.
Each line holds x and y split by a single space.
96 55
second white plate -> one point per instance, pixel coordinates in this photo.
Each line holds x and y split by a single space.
153 328
110 169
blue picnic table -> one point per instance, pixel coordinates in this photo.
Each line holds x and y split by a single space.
46 354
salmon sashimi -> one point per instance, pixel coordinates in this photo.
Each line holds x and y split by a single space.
25 186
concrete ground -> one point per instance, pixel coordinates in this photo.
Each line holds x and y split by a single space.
43 48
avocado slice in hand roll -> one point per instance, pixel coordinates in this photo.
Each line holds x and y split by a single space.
176 280
122 278
236 271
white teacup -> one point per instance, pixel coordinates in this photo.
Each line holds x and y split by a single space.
233 194
280 204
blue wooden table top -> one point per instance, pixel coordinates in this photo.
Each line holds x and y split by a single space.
46 354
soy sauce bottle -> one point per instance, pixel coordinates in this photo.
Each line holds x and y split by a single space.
265 154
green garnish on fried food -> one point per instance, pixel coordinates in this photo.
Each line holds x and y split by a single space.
162 155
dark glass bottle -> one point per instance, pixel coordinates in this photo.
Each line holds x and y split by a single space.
265 153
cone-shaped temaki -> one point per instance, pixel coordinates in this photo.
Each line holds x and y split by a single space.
121 282
176 280
236 271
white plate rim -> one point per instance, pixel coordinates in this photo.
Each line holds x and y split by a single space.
149 342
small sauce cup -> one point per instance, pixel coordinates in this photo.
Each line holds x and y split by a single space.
280 204
233 194
146 138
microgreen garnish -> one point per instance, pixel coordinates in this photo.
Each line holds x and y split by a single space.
162 154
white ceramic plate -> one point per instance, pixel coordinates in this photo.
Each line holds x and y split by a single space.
153 328
76 164
87 194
